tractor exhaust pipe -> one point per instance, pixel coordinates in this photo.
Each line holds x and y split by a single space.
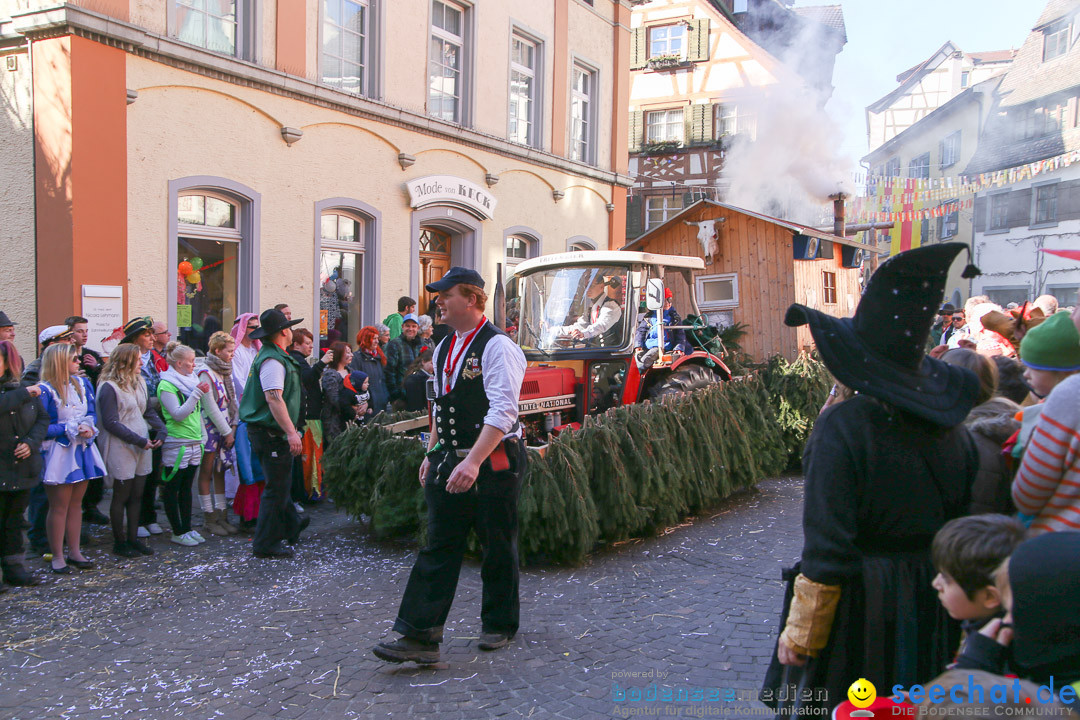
498 310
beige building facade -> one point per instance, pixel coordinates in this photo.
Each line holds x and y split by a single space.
219 157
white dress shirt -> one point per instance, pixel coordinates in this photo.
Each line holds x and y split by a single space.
603 314
503 368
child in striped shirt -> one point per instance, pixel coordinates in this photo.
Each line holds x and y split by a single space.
1046 489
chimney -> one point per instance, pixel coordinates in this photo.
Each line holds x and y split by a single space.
838 214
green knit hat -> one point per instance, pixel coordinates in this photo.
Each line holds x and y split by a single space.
1053 344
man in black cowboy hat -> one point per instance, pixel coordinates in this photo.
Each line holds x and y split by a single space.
471 477
270 405
7 327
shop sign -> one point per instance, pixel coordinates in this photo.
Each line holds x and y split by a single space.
450 190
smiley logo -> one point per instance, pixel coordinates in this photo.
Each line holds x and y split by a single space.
862 693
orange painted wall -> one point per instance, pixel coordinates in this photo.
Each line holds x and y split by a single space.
291 37
113 8
560 79
80 131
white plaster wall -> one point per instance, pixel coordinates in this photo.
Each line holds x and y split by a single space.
199 126
1013 258
17 227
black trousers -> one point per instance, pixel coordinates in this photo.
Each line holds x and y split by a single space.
490 507
12 506
278 519
39 510
176 496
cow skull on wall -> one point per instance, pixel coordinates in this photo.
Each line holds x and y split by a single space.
707 232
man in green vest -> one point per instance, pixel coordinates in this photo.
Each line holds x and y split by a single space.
271 408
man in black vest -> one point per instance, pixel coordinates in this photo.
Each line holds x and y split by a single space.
471 477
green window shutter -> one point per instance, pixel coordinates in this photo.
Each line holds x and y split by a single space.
697 40
637 130
687 199
635 223
639 51
700 128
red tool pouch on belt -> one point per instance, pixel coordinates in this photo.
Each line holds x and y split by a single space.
498 458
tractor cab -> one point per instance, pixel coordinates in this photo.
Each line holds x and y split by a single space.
575 315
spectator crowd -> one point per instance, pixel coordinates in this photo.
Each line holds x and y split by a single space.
161 425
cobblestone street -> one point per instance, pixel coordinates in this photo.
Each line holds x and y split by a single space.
209 632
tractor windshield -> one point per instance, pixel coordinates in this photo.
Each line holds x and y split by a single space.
577 307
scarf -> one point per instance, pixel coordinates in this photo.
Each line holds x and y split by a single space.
185 383
224 369
240 326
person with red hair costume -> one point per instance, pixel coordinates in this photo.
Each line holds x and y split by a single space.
369 359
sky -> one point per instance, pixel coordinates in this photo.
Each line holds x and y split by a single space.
886 37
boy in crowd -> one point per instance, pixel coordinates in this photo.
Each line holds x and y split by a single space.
966 552
1046 489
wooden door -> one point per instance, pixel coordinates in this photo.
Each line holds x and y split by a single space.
434 261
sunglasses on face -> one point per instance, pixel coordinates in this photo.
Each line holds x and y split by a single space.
958 319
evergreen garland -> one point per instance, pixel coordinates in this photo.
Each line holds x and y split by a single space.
628 472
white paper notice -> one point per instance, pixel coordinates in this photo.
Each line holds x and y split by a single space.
103 307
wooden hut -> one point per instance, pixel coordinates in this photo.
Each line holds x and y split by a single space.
759 266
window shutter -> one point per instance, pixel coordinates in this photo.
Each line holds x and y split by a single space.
697 40
634 220
637 130
639 53
700 130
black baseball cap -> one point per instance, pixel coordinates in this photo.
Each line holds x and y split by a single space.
456 276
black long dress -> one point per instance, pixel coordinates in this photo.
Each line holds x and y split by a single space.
879 484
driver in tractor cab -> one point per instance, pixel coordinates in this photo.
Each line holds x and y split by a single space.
646 339
601 317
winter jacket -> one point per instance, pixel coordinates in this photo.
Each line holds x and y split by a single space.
991 424
400 354
366 362
22 420
311 392
338 406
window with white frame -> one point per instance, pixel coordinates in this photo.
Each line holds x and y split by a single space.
716 292
950 149
1066 294
920 167
667 40
341 272
892 167
661 208
582 127
665 126
209 244
1045 202
1056 40
949 223
210 24
1004 295
730 119
998 208
345 44
446 61
518 248
524 62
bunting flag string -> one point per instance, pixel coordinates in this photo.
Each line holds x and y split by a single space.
885 195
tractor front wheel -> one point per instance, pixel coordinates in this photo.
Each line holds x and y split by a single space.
685 379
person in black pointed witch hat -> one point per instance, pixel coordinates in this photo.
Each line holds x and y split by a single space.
884 471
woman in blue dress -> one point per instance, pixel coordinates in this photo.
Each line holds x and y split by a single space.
71 457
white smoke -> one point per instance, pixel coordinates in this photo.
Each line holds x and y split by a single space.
795 162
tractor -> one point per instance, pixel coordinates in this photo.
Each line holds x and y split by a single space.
550 300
